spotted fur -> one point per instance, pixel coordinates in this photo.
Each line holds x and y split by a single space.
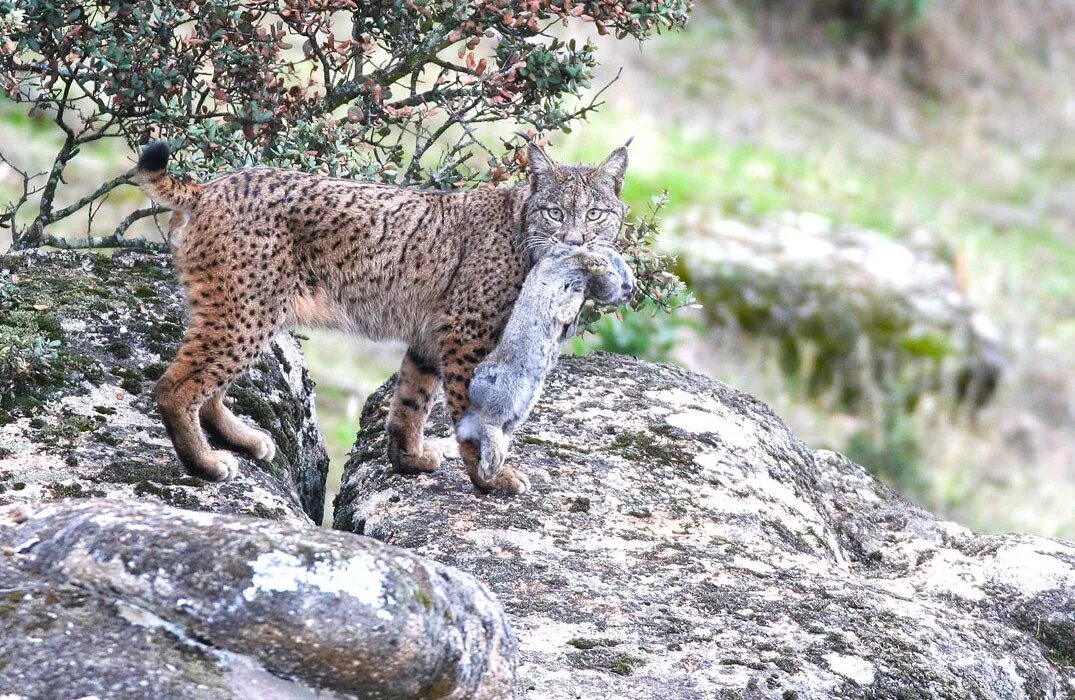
263 250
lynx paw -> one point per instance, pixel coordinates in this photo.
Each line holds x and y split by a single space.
220 466
423 463
262 447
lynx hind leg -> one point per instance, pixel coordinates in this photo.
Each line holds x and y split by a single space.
234 431
218 349
180 393
408 451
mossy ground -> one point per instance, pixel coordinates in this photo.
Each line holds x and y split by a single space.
107 326
647 448
82 287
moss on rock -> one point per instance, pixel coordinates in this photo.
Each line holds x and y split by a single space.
81 336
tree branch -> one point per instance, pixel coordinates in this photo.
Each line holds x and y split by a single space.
11 209
121 229
92 243
100 191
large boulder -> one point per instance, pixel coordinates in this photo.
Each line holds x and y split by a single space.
844 309
679 542
116 599
83 337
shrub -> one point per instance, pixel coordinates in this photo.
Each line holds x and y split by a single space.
644 330
387 90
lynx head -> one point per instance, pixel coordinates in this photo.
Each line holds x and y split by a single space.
573 204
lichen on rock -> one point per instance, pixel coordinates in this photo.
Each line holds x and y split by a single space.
120 599
679 542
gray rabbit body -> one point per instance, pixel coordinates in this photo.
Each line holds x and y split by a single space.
508 383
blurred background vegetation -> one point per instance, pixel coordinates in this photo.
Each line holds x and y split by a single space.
930 139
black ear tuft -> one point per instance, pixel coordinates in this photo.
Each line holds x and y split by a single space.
154 157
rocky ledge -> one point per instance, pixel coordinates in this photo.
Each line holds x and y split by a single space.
115 581
679 542
83 338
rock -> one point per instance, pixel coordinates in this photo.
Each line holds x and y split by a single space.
108 591
83 337
139 600
679 542
845 309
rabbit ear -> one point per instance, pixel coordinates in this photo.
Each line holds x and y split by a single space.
615 166
541 166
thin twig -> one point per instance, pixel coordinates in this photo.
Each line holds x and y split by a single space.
128 220
99 192
7 216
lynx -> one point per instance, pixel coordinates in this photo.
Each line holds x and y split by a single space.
260 250
508 383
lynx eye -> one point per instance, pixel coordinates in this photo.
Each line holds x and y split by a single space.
555 214
594 214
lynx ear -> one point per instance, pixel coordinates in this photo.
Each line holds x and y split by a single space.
541 166
615 166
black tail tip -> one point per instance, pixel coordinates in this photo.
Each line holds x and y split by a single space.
154 156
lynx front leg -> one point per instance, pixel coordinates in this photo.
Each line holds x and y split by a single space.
407 451
460 360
